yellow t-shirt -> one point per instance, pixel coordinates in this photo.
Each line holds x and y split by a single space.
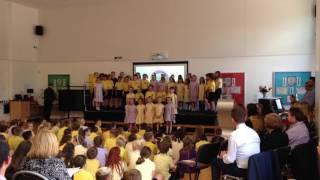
201 92
14 141
151 94
163 163
200 143
162 95
211 86
5 135
153 147
119 86
60 133
139 96
83 175
131 96
145 84
125 86
171 84
124 154
135 84
92 80
110 143
74 133
106 135
92 166
107 84
92 136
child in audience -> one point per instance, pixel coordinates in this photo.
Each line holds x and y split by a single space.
65 139
114 162
98 124
131 113
177 144
194 91
210 93
162 161
149 111
139 95
92 164
159 110
80 146
145 84
118 87
133 154
186 95
103 173
27 135
3 130
140 113
161 94
154 82
145 165
201 140
186 153
98 94
102 153
15 139
180 92
201 93
171 84
169 115
64 125
67 154
150 93
148 138
55 126
80 161
111 139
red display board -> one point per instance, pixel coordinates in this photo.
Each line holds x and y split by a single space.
233 87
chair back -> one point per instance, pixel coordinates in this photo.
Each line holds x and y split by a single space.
28 175
282 155
207 153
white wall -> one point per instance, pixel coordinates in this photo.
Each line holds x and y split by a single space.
183 28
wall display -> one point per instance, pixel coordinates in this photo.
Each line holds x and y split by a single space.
233 86
289 83
58 81
167 68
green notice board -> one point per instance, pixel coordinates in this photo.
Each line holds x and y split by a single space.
59 81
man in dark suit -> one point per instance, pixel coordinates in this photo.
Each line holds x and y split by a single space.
49 97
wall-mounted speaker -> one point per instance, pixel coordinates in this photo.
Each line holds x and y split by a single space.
39 30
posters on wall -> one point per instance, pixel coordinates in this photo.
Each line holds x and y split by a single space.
59 81
233 87
290 83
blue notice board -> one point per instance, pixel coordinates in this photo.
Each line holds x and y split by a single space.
287 83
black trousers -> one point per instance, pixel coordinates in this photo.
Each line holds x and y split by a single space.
47 108
219 166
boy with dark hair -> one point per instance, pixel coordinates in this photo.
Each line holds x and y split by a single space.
102 153
163 161
92 164
80 161
15 139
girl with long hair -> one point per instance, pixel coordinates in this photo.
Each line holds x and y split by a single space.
116 164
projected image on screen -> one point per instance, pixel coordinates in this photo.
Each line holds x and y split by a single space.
168 69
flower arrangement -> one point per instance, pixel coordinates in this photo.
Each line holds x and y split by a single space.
264 90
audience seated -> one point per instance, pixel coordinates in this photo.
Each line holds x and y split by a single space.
116 164
5 158
15 139
274 137
79 162
132 174
18 158
145 165
92 164
103 173
254 118
102 152
163 161
243 143
187 152
298 132
42 157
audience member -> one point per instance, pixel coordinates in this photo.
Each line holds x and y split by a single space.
132 174
42 157
80 161
103 173
243 143
5 159
102 152
92 164
274 137
15 139
145 165
114 162
298 132
163 161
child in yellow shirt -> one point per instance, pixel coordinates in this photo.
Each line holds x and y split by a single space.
80 162
139 95
140 112
149 112
135 83
92 164
161 94
159 110
15 139
163 161
148 137
171 84
119 92
145 84
150 93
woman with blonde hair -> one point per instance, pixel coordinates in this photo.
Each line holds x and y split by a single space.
42 157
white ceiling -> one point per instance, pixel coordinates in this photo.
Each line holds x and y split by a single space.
58 3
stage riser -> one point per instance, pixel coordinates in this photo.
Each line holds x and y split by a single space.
192 118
